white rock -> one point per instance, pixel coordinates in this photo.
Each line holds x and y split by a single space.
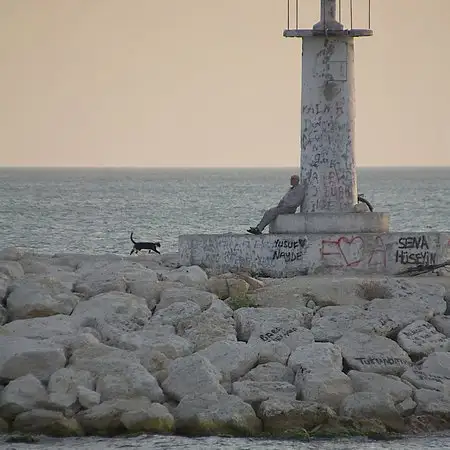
372 353
12 269
406 310
190 276
50 423
192 374
23 394
155 362
42 327
215 413
176 312
442 324
63 386
87 398
332 322
40 298
316 357
105 276
256 392
220 307
12 254
270 351
157 339
326 387
374 405
154 419
151 291
420 339
185 294
292 336
249 319
374 382
207 328
105 418
272 371
406 407
233 359
119 373
434 373
124 312
431 402
279 415
21 356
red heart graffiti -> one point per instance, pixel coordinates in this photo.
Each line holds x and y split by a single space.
346 247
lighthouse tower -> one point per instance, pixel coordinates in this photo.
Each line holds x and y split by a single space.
328 111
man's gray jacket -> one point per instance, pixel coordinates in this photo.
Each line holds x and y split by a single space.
293 198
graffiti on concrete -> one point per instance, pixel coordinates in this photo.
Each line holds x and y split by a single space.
414 250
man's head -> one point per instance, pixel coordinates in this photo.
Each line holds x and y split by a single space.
295 180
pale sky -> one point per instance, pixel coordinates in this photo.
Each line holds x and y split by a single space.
209 83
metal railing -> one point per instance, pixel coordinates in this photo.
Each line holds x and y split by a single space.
345 12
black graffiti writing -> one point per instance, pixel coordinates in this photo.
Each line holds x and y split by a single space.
287 243
418 243
277 334
405 257
370 361
287 256
430 377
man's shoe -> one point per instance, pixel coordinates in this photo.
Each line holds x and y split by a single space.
254 230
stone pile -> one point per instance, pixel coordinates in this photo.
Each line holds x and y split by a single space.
105 345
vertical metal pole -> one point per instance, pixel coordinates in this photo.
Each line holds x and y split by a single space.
370 14
288 18
340 11
296 14
351 14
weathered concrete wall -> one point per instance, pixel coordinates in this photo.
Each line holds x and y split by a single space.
368 222
327 129
289 255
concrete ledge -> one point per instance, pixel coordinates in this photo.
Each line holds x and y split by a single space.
368 222
281 255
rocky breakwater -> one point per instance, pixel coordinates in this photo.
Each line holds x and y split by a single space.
105 345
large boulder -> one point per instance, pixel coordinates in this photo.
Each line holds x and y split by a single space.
249 320
375 382
113 311
328 387
272 371
213 413
42 327
39 298
316 357
433 373
185 294
63 387
50 423
21 356
420 338
256 392
192 375
332 322
372 353
119 374
374 405
12 269
281 417
233 359
208 327
176 312
20 395
190 276
98 277
118 416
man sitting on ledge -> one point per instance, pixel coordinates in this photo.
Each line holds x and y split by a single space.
288 205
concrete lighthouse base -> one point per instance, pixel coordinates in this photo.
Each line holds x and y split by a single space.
288 255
